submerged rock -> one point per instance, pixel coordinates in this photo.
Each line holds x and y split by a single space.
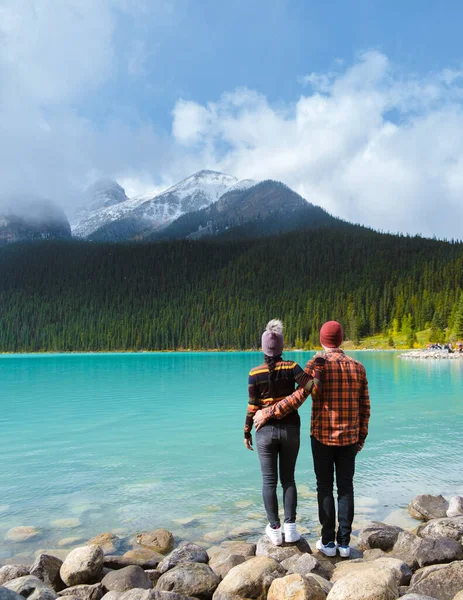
22 534
159 540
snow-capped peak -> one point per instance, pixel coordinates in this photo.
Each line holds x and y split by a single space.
242 185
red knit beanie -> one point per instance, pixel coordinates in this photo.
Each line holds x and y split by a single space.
331 334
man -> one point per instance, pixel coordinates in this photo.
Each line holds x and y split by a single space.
339 427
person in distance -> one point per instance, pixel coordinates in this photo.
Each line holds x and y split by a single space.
339 427
278 440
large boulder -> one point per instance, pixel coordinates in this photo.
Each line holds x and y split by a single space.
186 552
251 580
446 528
190 579
281 553
32 588
82 565
295 587
47 568
304 564
9 572
221 564
84 592
397 567
322 582
127 579
6 594
426 507
421 552
159 540
378 535
143 557
438 581
368 584
455 508
108 542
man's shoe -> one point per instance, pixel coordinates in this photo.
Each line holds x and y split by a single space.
328 549
344 551
275 535
291 533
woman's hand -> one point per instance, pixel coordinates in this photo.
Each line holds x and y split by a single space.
248 443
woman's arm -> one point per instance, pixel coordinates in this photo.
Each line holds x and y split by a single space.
253 406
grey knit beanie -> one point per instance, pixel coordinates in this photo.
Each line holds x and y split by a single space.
272 338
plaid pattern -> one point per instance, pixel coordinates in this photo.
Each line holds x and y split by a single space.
288 374
340 414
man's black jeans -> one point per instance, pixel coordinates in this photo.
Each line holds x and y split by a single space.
278 447
326 459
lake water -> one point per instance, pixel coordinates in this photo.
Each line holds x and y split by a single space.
130 442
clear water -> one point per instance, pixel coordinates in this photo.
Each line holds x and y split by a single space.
130 442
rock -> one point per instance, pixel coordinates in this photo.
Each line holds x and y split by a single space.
455 508
6 594
136 594
400 570
447 528
281 553
426 507
245 549
378 535
186 552
9 572
71 523
84 592
159 540
295 587
418 552
60 553
47 569
221 564
375 553
153 575
82 565
322 582
304 564
127 578
369 584
416 597
113 595
163 595
144 558
22 534
190 579
459 596
31 588
108 542
251 580
439 581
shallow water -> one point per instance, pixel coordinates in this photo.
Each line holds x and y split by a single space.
128 442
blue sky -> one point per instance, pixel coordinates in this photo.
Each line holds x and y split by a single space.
357 105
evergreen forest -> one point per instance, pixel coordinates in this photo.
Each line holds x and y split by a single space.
217 293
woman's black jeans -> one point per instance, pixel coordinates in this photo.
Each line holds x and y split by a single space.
326 460
278 447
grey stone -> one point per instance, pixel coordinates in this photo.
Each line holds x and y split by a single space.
159 540
421 552
126 579
82 565
9 572
84 592
245 549
251 580
455 508
144 558
47 568
401 571
295 586
378 535
281 553
221 564
416 597
190 579
31 588
153 575
426 507
6 594
447 528
375 553
163 595
113 595
442 582
304 564
322 582
137 594
186 552
368 584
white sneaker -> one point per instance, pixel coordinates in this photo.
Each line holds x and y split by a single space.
291 533
328 549
275 535
344 551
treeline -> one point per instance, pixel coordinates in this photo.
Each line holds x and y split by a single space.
64 296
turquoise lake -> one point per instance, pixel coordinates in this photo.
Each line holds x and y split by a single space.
129 442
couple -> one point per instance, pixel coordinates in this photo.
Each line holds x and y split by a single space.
339 426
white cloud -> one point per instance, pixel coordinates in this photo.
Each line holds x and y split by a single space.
370 144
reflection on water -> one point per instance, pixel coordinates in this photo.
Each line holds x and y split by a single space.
130 442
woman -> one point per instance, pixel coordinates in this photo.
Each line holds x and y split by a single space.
278 440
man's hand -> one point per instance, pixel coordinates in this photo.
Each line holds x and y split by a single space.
248 443
259 420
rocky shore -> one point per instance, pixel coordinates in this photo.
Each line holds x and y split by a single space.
387 562
432 355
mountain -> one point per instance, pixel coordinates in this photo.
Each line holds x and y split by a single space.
24 218
248 210
139 216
